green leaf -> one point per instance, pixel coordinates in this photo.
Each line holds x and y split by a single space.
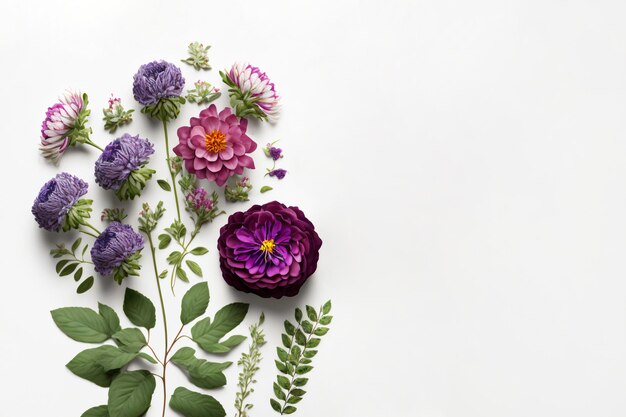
164 185
307 326
130 394
81 324
282 354
300 382
321 331
110 317
326 307
309 353
275 405
293 399
281 367
99 411
85 285
326 320
78 275
194 267
76 244
199 251
300 338
192 404
139 309
131 339
290 328
298 315
194 303
279 392
313 343
301 370
202 373
297 392
286 340
68 269
174 257
180 273
112 358
284 382
87 366
60 265
147 357
164 240
207 334
265 189
310 311
289 410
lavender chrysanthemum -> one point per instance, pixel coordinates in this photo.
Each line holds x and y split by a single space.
114 246
56 198
120 158
157 80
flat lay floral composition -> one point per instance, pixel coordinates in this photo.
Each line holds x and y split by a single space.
269 250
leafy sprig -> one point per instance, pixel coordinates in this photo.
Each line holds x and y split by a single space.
198 57
130 392
250 365
202 93
72 263
115 115
300 341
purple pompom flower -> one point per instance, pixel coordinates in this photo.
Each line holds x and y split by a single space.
117 251
278 173
64 125
157 80
275 153
251 92
58 204
123 158
269 250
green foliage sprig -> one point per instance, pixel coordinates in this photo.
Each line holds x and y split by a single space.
130 392
294 360
202 93
250 365
198 57
72 263
115 115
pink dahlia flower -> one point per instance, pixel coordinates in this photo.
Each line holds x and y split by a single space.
251 92
214 146
61 120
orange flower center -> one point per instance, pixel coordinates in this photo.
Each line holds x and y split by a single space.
215 141
268 246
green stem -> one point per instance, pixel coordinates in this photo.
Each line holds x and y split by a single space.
158 281
182 256
88 233
169 168
92 228
90 142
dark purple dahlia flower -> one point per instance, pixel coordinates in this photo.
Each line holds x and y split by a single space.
120 158
56 198
157 80
269 250
117 250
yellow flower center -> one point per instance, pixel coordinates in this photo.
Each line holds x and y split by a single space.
215 141
268 246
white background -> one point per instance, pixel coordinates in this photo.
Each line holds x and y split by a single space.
464 163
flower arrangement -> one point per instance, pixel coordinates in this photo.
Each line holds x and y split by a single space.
270 250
